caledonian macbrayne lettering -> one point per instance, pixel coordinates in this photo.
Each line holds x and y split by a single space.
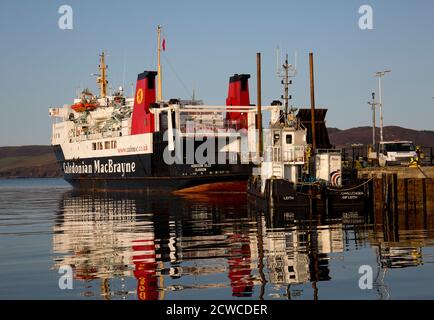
99 167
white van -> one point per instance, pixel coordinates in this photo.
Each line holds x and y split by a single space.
395 153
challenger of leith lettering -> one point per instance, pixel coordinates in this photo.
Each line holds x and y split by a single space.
100 167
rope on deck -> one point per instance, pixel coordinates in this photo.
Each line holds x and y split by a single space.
422 172
352 188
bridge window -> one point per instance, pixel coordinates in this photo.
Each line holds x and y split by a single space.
276 137
289 139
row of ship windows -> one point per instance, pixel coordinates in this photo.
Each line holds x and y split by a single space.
107 145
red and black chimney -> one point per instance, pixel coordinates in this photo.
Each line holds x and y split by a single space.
238 95
142 120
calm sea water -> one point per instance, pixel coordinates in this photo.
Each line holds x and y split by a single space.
135 246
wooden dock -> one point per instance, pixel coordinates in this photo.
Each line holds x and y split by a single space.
401 196
402 172
401 188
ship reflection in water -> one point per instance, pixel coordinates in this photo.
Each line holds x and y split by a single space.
138 247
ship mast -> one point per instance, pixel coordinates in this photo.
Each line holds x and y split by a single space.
159 73
286 85
286 82
102 77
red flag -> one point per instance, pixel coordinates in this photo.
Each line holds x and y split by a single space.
164 44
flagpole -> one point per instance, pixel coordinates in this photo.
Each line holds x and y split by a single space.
160 75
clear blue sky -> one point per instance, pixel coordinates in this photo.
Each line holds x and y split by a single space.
207 41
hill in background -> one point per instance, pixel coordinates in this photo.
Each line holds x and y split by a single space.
38 161
363 135
28 162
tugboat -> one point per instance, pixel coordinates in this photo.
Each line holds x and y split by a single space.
292 172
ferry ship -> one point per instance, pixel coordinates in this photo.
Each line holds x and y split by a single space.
115 142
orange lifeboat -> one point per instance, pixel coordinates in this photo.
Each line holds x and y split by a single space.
81 107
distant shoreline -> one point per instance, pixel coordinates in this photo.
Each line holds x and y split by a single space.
33 161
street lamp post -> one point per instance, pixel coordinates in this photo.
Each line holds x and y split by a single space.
381 74
373 105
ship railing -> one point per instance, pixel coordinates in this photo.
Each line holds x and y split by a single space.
218 126
351 154
333 150
427 155
294 154
277 154
289 154
95 136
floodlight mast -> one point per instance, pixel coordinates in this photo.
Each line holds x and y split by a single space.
381 74
373 104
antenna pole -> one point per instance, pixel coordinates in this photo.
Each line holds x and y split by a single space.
277 60
286 86
283 71
259 106
312 100
102 79
124 71
159 72
381 108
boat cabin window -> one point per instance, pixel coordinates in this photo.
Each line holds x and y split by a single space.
276 137
289 139
107 145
